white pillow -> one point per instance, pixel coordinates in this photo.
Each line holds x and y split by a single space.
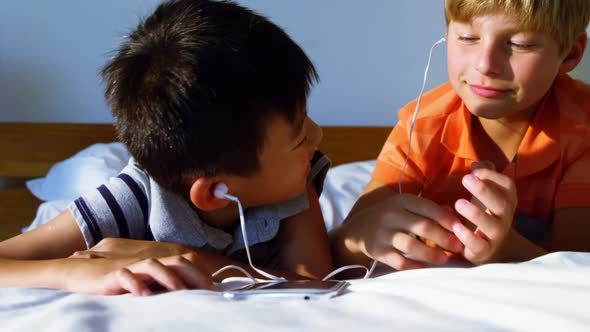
84 171
343 185
70 178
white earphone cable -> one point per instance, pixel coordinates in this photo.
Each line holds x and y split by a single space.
414 116
246 246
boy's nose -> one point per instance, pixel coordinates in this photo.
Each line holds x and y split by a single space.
489 61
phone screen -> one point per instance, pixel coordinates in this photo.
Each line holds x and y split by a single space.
303 288
296 284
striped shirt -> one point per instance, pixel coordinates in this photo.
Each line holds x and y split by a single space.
132 205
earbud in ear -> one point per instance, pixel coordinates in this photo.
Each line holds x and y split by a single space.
220 190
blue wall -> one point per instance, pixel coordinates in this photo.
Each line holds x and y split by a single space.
51 52
370 54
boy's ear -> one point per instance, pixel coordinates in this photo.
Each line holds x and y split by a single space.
575 54
201 195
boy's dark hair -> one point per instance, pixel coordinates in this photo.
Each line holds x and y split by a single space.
192 87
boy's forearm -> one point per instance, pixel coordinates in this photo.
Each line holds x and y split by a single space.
29 273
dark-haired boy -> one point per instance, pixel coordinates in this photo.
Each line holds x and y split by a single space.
202 92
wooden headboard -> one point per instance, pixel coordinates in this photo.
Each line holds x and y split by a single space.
28 150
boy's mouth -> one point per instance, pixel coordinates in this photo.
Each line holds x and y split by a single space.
487 92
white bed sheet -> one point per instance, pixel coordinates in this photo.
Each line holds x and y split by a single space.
551 293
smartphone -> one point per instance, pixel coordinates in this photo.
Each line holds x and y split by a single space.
305 289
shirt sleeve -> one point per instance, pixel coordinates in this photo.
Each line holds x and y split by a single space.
118 208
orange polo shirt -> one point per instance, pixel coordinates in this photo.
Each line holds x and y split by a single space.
552 169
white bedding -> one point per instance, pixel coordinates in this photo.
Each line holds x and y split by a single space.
547 294
551 293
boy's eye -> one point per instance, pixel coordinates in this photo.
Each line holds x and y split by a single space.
521 46
468 39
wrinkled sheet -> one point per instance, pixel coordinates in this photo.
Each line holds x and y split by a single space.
550 293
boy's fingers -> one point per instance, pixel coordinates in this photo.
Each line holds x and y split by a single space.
152 269
489 225
418 250
193 276
124 280
498 198
382 250
475 246
477 203
428 229
399 262
503 182
484 195
429 209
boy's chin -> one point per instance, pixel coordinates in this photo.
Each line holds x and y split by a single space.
502 115
490 112
297 193
486 115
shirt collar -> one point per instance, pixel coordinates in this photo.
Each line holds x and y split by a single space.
456 134
538 149
540 146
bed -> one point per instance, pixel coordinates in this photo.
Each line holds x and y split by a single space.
549 293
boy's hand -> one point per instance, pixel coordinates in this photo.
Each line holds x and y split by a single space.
127 248
134 266
384 231
109 276
491 211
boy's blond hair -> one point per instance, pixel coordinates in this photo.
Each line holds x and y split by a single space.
563 19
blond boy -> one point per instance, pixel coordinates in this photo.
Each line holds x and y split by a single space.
499 153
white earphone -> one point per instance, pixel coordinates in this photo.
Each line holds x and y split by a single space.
220 191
